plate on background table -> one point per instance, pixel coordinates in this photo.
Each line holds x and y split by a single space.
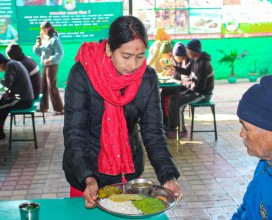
125 209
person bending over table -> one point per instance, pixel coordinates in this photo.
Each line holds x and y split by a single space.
198 87
19 94
110 90
180 64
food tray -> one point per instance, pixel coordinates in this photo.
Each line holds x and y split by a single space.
156 191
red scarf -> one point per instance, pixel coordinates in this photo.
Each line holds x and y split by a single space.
115 155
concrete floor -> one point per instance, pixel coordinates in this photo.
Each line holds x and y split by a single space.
214 174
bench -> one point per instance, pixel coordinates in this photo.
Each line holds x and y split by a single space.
28 111
202 104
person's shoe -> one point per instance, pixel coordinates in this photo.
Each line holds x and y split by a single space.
172 133
60 113
40 110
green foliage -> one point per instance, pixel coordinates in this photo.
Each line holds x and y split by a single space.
231 58
264 71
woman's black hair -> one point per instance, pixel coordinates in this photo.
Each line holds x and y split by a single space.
47 24
125 29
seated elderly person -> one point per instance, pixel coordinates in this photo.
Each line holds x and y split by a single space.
255 115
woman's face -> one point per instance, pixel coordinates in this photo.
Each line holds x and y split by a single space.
45 31
129 57
257 140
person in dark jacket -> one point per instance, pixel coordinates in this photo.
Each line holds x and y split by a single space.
110 93
19 94
198 87
14 51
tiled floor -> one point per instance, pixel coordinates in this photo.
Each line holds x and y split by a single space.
214 175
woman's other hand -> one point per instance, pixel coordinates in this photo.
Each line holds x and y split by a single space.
90 192
174 186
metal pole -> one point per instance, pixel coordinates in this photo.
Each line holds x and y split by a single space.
130 7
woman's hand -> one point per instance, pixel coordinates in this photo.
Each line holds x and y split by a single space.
90 192
173 185
47 62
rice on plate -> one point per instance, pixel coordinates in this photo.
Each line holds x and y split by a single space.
120 207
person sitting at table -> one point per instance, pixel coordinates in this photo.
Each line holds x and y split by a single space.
255 114
14 52
19 94
110 91
180 64
198 87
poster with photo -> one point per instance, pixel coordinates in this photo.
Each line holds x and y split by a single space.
166 4
205 21
206 3
144 4
147 17
181 21
166 19
182 4
8 22
253 20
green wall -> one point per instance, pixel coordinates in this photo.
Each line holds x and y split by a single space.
258 49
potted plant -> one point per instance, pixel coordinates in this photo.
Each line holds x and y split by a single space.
253 74
231 59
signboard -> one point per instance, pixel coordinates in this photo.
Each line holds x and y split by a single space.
74 20
189 19
89 20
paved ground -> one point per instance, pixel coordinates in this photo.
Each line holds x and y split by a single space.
214 174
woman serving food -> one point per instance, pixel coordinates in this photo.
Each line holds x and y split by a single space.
110 92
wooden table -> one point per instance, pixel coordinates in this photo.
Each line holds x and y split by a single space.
62 209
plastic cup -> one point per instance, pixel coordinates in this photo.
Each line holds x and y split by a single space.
29 211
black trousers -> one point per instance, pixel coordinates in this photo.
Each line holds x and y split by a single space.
185 98
6 105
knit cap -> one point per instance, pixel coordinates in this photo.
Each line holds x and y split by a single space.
3 59
166 47
255 107
14 51
195 45
179 49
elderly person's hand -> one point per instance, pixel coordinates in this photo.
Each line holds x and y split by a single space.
174 186
90 192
